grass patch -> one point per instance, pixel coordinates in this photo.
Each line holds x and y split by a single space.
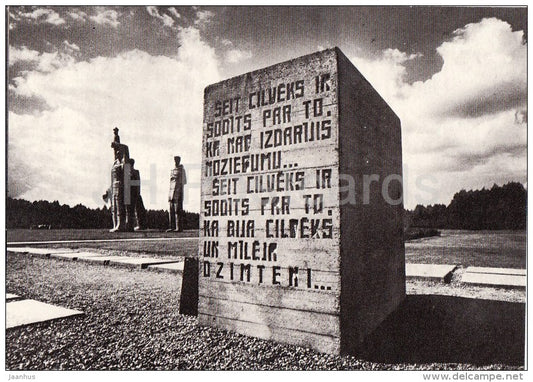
164 247
14 235
505 249
418 233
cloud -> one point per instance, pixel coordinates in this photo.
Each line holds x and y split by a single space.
156 101
13 15
40 15
466 126
21 177
77 15
203 17
166 19
42 62
106 17
12 18
174 12
236 55
21 54
71 47
387 73
152 11
227 43
484 71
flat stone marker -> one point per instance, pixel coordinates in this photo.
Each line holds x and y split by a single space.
170 267
38 251
25 312
11 296
440 272
75 255
104 259
295 246
141 262
137 262
495 280
499 271
100 240
17 249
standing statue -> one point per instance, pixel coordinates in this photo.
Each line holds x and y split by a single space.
116 138
117 188
129 197
175 197
116 192
137 212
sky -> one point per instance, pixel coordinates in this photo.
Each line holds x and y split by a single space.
456 77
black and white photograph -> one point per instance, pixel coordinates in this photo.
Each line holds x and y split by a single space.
304 187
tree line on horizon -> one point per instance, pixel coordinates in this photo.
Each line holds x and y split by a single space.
491 209
496 208
21 213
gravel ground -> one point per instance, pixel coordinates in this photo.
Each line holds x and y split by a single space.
131 322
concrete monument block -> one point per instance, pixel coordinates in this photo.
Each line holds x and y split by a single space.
301 235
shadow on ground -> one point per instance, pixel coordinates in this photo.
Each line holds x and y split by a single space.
447 329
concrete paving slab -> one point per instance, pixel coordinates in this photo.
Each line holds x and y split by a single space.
11 296
496 280
46 252
438 272
17 249
26 312
169 267
128 261
499 271
75 255
141 262
100 240
101 259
